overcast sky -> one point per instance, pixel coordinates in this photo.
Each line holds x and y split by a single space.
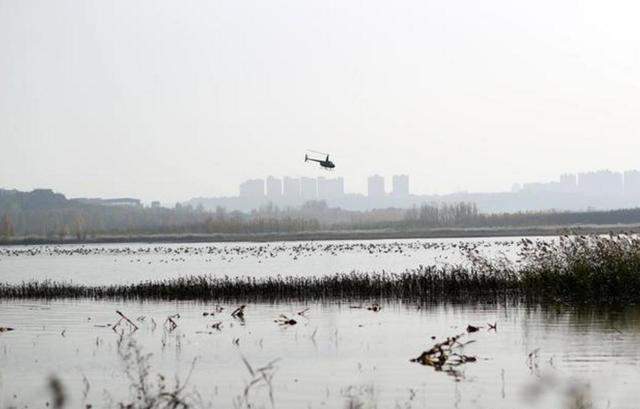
174 99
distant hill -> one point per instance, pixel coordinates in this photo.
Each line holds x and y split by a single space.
47 199
43 212
38 199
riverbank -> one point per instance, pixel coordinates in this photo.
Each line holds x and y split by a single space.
387 234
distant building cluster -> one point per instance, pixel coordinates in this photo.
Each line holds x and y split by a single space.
375 186
601 189
293 190
599 183
399 186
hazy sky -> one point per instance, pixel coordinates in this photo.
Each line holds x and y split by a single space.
174 99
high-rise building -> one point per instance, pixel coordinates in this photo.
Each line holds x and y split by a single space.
253 188
274 188
322 188
632 183
291 188
330 188
336 189
568 182
375 186
400 186
602 182
308 189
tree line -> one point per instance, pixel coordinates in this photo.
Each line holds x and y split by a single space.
59 218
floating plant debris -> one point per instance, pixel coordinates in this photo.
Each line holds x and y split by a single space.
444 356
126 319
472 328
374 307
170 323
239 312
284 320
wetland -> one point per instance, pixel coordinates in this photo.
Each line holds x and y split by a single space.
474 323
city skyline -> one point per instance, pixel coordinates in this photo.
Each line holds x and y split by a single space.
198 97
603 181
321 187
294 191
602 189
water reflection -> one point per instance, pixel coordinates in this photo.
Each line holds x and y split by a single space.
334 355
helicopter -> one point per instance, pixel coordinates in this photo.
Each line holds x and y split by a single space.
324 164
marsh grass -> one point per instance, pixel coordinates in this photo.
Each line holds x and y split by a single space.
581 269
425 282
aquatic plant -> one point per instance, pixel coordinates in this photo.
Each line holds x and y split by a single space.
58 393
582 269
424 283
262 376
149 391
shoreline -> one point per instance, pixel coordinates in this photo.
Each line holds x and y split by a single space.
436 233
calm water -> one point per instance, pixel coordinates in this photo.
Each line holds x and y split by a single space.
334 356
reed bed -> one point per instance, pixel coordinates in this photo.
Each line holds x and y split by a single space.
581 269
425 282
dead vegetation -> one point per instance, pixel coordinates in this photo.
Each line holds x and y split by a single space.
447 356
283 320
124 318
58 393
217 310
149 390
375 307
170 324
260 378
239 312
